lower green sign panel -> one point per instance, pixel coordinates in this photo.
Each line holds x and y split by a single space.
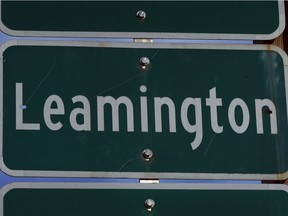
128 199
144 110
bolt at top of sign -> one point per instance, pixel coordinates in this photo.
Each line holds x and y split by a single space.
144 63
149 204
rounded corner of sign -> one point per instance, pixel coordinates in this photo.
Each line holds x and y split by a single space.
4 168
277 33
281 27
7 44
8 171
279 51
8 187
6 30
279 30
282 24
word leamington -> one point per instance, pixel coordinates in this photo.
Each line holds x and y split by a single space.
188 104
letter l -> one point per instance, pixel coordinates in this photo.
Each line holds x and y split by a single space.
19 111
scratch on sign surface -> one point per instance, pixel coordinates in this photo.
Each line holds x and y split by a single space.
127 162
115 86
41 82
154 54
209 145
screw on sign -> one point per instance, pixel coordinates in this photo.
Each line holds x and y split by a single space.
147 154
144 63
149 204
141 15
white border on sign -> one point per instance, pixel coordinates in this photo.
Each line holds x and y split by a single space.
153 35
141 175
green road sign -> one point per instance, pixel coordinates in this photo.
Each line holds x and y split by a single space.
254 20
143 110
141 199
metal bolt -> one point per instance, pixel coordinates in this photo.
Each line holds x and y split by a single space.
147 154
149 204
141 15
144 62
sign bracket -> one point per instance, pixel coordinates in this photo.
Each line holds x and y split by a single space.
143 40
149 181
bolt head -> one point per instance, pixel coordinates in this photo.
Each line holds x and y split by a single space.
149 204
144 62
147 154
141 15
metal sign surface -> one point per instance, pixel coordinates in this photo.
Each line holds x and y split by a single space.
35 199
254 20
143 110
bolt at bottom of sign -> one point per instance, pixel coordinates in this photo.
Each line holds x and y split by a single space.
149 204
147 154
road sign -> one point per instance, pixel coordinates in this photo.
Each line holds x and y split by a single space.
254 20
144 110
141 199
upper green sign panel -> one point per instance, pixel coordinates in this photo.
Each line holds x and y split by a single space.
143 110
254 20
